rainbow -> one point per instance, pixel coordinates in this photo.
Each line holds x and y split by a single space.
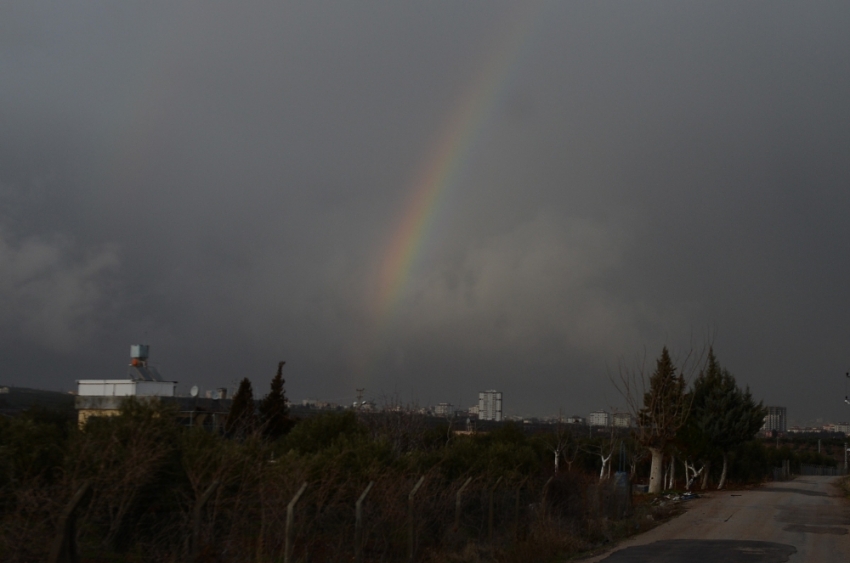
441 168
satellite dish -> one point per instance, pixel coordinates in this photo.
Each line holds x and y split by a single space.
194 391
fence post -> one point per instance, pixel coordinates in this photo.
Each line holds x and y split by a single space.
516 508
290 510
358 523
543 500
64 549
457 502
411 536
490 518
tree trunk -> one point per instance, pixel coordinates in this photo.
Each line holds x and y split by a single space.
691 474
604 465
655 479
723 473
707 468
672 484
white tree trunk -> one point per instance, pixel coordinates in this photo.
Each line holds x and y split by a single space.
723 473
707 468
604 465
672 483
691 474
655 479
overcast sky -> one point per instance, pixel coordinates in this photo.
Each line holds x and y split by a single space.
226 182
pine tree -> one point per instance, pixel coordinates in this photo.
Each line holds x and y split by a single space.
693 439
274 414
665 411
724 415
241 419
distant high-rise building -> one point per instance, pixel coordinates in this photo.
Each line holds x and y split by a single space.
598 418
575 419
775 419
490 405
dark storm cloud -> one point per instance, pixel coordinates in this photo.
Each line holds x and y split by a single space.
223 181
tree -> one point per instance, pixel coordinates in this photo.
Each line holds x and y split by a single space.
665 411
604 447
724 415
242 418
560 439
274 414
123 456
693 442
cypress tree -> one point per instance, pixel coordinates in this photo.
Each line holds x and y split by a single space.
724 415
665 411
242 416
274 414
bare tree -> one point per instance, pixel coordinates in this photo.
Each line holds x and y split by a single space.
604 448
562 439
121 455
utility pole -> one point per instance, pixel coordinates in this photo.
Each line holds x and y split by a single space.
846 398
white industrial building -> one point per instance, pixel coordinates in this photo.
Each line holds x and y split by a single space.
104 397
490 405
142 380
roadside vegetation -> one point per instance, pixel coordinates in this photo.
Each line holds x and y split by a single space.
157 491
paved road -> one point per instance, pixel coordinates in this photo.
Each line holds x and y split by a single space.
804 520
